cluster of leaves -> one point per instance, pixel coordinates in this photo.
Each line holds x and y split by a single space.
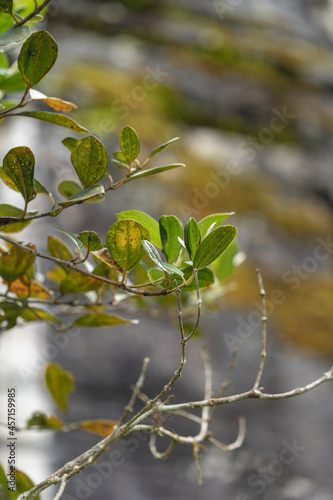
134 239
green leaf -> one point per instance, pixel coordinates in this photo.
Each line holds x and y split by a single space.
19 165
41 420
123 241
55 118
37 56
60 383
78 283
68 188
100 319
208 221
35 314
192 237
160 148
15 263
213 246
153 171
129 143
10 219
70 143
58 249
5 494
144 219
91 240
205 279
6 6
90 193
89 158
15 35
154 255
170 229
11 313
23 483
13 82
120 160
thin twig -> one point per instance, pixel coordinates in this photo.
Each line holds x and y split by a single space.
228 380
136 391
63 485
263 331
196 457
34 13
237 443
157 454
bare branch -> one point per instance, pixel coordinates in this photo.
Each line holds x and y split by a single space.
264 331
155 452
61 490
237 443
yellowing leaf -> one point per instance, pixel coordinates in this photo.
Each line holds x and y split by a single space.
24 287
99 427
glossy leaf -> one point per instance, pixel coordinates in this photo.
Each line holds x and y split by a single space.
38 55
10 217
192 237
153 171
207 222
129 143
55 119
19 165
144 219
58 249
89 158
100 319
78 283
91 240
60 383
70 143
160 148
154 255
87 194
43 421
123 241
15 263
99 427
170 229
6 6
213 246
14 35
